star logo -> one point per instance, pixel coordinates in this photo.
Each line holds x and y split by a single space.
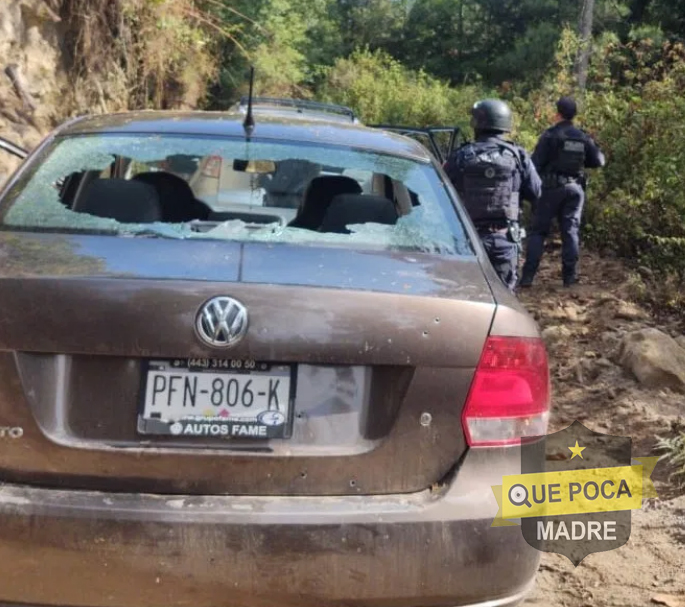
576 450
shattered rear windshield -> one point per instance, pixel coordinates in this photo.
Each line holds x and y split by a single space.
189 187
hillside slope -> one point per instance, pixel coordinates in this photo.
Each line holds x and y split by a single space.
33 78
60 58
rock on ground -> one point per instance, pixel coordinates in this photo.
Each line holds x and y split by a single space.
655 358
629 311
556 333
680 340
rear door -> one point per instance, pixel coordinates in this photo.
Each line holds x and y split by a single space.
439 140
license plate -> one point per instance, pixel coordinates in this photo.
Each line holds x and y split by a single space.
216 398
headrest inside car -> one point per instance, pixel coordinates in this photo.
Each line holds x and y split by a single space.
176 197
348 209
318 196
125 201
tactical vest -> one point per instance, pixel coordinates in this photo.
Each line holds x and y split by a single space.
486 181
569 156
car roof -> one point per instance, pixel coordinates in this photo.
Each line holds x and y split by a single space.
286 112
283 126
283 106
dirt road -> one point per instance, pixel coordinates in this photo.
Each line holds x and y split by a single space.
587 323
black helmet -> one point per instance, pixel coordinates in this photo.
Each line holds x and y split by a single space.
491 115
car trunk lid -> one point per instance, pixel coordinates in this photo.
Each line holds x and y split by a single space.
381 347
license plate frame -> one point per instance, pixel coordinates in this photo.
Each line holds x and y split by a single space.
261 427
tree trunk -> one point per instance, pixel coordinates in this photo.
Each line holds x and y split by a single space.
585 30
638 9
461 31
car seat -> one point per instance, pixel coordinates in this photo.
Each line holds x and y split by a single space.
284 187
122 200
347 209
318 196
177 199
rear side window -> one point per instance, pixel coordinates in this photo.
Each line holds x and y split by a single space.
230 189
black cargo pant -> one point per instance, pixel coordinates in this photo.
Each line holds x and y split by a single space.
565 204
503 254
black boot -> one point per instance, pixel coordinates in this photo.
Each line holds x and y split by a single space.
526 281
569 281
569 275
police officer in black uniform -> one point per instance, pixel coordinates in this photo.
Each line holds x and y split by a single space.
492 175
561 156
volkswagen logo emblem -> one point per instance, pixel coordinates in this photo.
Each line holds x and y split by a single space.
221 322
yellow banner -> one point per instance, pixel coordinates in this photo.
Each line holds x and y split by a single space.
574 491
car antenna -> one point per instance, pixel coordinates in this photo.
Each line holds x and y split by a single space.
249 123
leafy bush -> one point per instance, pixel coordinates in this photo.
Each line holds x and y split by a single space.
674 453
638 205
382 90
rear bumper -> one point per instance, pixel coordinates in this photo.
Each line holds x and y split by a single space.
73 548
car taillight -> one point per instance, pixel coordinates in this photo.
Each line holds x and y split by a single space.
509 398
212 167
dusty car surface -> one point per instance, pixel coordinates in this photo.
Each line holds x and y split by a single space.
288 398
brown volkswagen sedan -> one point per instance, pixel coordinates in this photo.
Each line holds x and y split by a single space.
264 370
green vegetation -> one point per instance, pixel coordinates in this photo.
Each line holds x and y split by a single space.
673 449
422 62
382 90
